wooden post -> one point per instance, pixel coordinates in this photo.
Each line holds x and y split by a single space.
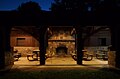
5 49
115 41
42 47
79 42
2 53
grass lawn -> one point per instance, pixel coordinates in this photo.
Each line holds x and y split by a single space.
63 74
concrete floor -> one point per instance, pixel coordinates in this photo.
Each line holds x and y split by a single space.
60 61
57 63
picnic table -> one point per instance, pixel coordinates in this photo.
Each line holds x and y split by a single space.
102 54
16 56
86 56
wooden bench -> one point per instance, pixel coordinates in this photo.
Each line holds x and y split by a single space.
34 57
101 56
86 57
31 57
16 56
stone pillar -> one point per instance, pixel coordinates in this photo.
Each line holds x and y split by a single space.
117 41
6 56
114 54
2 53
42 47
79 45
75 43
111 58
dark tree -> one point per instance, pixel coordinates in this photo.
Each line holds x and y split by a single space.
56 5
106 10
67 5
29 8
68 10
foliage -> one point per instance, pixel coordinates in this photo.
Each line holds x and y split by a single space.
84 5
66 5
29 8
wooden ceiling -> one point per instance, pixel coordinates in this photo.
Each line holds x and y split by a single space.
35 31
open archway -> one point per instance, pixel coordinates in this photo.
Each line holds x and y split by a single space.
23 44
97 43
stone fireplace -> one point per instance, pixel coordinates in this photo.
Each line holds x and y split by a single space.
61 42
61 48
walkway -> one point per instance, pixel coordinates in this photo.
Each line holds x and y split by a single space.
58 63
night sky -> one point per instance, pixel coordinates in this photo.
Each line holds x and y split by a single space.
6 5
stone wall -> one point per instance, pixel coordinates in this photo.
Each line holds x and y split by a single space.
95 49
69 45
9 60
25 50
111 58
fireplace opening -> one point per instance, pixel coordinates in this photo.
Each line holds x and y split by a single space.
61 51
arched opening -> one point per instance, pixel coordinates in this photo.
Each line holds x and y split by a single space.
97 44
23 45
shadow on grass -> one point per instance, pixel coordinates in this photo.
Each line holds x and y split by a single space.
103 73
114 70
